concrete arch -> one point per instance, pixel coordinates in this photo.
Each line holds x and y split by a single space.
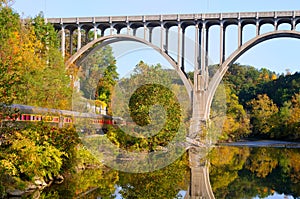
106 40
215 81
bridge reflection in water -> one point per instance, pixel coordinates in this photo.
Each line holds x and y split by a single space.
200 187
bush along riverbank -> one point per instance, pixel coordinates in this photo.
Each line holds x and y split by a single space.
35 157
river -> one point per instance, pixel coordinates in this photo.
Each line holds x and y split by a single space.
261 169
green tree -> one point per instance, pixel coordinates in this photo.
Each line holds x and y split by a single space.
282 89
45 33
151 104
97 75
54 87
106 84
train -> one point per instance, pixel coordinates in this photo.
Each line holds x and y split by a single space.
83 122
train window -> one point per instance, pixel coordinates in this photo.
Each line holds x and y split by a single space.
33 118
27 117
55 119
67 120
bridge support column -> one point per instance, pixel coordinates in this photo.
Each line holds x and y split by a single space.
257 27
71 42
166 47
162 36
240 34
199 116
134 32
95 32
222 43
197 61
145 31
128 28
179 45
78 38
86 36
150 34
182 49
63 40
204 48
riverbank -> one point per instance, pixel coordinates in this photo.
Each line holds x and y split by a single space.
263 143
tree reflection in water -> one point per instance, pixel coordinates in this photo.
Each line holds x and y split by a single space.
234 172
104 183
243 172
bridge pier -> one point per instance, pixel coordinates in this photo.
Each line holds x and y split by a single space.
197 129
201 107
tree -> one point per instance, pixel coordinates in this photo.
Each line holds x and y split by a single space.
6 3
237 123
106 84
10 66
45 33
151 109
96 69
262 114
32 68
290 117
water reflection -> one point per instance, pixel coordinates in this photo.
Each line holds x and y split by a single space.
259 172
199 186
226 172
106 183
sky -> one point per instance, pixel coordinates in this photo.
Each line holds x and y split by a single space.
276 54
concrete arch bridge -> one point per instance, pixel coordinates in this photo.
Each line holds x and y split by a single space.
201 91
